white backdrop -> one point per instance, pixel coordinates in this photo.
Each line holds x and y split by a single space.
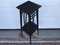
49 13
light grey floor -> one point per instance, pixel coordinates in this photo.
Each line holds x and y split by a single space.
43 35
